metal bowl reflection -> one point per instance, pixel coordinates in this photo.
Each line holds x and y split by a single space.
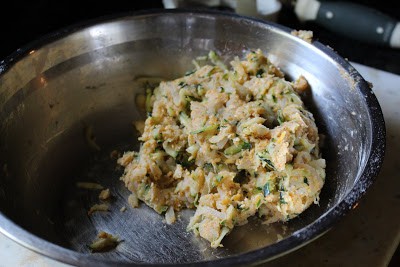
84 76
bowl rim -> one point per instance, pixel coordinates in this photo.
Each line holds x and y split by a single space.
299 238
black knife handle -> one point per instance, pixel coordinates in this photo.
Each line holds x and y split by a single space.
357 22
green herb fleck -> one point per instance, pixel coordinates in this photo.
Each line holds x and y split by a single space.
258 204
196 200
190 98
254 57
246 145
306 181
146 188
268 163
280 117
200 89
265 189
182 84
184 119
190 72
232 150
259 73
208 167
209 128
281 198
164 209
212 71
148 101
281 185
242 207
257 190
183 159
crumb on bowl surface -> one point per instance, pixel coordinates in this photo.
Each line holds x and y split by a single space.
89 185
231 143
104 242
304 34
98 207
105 194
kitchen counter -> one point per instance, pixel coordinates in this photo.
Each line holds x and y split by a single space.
367 236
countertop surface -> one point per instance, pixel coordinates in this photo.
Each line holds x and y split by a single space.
367 236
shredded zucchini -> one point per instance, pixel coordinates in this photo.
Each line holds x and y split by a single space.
231 142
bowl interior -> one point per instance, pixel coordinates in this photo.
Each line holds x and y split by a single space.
88 81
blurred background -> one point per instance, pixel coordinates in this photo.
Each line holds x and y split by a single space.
24 21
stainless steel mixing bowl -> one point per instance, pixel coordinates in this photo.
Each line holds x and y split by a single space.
87 78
